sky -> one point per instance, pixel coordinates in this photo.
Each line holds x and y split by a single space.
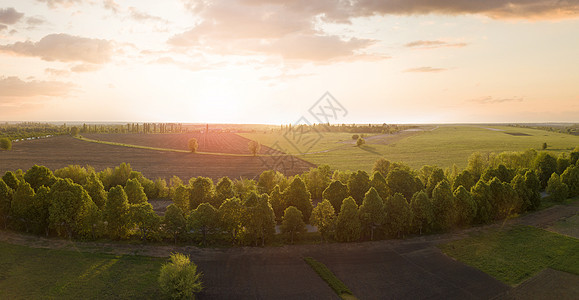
272 61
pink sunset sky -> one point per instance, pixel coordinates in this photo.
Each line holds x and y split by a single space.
268 61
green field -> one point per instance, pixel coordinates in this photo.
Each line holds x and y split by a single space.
518 254
30 273
443 145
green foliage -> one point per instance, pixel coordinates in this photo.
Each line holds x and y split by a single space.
193 145
435 177
10 179
336 192
501 172
254 147
230 215
317 180
179 278
571 178
515 160
518 254
277 201
174 222
544 146
161 188
504 200
76 173
360 141
403 181
297 195
5 144
336 284
204 219
293 222
38 176
465 179
135 192
40 211
563 162
117 213
358 185
422 212
5 202
481 194
477 163
259 220
371 212
22 205
181 197
202 191
145 218
378 182
96 190
268 180
545 165
558 191
348 226
465 206
223 191
398 215
323 217
443 205
382 166
71 209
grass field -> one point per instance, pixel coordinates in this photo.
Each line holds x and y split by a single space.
518 254
442 146
30 273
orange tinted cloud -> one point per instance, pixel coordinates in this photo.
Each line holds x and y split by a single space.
9 15
425 70
13 88
432 44
64 47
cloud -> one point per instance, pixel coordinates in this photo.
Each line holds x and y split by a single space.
425 70
56 72
10 15
12 88
420 44
316 48
143 16
64 3
112 6
3 27
492 100
85 68
64 47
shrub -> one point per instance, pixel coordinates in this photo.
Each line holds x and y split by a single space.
193 145
360 142
179 278
5 144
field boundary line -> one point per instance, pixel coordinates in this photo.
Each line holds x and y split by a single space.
176 150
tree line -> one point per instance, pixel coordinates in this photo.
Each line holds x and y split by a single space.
394 201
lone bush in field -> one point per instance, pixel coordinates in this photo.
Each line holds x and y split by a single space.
254 147
360 142
193 145
179 278
5 144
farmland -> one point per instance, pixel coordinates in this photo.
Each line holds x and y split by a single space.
58 152
442 145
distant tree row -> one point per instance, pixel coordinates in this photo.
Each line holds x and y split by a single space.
394 201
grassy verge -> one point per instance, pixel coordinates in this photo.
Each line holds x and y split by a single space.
336 284
30 273
515 255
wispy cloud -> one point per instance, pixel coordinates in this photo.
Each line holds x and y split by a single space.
56 3
420 44
425 70
64 47
493 100
12 88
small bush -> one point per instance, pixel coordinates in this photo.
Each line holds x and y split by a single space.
360 142
355 137
5 144
179 278
193 145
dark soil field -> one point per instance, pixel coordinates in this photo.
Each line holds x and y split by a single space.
58 152
223 142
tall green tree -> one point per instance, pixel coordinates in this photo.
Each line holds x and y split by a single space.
422 211
117 213
382 166
443 204
10 179
40 211
202 191
38 176
179 279
181 197
558 191
5 202
323 217
464 179
297 195
398 215
223 191
477 163
193 145
336 192
231 214
254 147
174 221
570 177
72 211
378 182
145 218
545 165
317 180
371 212
259 223
404 182
504 200
135 192
22 205
358 185
465 206
277 201
435 177
293 222
96 190
204 219
348 226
